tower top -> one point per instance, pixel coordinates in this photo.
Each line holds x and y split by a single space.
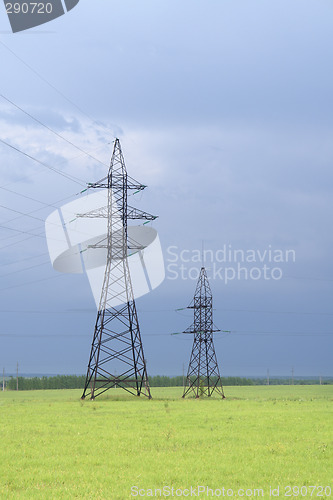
203 287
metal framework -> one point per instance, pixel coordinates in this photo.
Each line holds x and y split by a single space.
203 376
117 357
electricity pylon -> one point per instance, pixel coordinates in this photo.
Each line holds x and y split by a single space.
203 376
117 357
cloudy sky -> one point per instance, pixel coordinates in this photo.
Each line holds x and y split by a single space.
225 110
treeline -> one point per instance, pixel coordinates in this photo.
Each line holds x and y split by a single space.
163 381
36 383
77 382
296 381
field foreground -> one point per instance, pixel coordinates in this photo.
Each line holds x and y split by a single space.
260 442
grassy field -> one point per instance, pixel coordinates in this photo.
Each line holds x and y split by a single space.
55 446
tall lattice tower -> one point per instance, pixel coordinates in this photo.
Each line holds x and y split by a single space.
117 357
203 376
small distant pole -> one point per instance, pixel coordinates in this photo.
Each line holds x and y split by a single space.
17 376
267 376
3 379
320 380
292 376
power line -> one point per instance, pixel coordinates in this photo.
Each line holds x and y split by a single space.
307 278
35 218
287 334
25 269
226 333
46 205
275 312
38 235
23 214
30 283
51 130
56 89
40 335
57 171
23 260
257 311
32 199
43 311
28 214
145 311
21 231
67 160
17 242
216 337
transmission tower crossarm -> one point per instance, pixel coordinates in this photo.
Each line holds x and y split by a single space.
193 330
198 306
95 214
103 184
133 184
135 213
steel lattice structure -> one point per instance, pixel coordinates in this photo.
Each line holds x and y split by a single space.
203 376
117 357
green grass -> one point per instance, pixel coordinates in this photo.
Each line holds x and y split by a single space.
55 446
